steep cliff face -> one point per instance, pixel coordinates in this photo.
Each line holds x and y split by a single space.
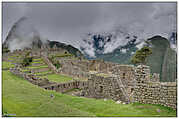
163 59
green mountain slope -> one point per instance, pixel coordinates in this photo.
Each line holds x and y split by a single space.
163 59
69 48
21 98
119 57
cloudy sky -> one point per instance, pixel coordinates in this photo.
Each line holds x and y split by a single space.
67 22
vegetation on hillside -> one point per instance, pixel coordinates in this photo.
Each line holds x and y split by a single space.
69 48
21 98
163 59
55 62
118 56
27 60
5 50
141 55
7 65
58 78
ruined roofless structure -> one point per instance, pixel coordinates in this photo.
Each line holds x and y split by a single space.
105 80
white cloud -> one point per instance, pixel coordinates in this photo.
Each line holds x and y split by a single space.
66 22
132 53
140 45
123 51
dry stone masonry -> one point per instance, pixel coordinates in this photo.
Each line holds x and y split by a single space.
125 83
152 91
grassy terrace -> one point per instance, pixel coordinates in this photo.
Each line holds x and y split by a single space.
37 67
61 55
7 64
58 78
44 72
52 77
22 98
37 60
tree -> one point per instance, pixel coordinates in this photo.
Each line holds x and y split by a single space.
27 60
141 55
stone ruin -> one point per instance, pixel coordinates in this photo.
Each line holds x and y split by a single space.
126 83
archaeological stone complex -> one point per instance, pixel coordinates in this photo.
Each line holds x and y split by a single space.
105 80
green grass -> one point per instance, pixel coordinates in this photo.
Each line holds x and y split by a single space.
44 72
16 56
22 98
58 78
37 60
7 65
37 67
61 55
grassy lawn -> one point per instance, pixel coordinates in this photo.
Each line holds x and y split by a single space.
44 72
37 60
7 65
61 55
37 67
58 78
22 98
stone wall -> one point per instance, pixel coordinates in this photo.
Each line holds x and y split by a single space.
80 68
125 82
150 92
63 87
49 63
157 93
106 87
46 84
30 77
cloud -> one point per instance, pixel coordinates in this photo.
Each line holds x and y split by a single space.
140 45
67 22
123 51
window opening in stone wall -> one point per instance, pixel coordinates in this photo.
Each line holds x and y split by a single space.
124 75
132 89
100 89
52 87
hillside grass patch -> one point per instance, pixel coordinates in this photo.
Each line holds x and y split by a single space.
58 78
23 99
7 65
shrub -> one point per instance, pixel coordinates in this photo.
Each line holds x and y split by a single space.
5 50
27 60
55 62
141 55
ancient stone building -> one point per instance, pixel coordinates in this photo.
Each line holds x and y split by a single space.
112 81
109 87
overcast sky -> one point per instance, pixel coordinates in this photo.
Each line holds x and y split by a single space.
67 22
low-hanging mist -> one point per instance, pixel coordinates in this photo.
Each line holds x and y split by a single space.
70 22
